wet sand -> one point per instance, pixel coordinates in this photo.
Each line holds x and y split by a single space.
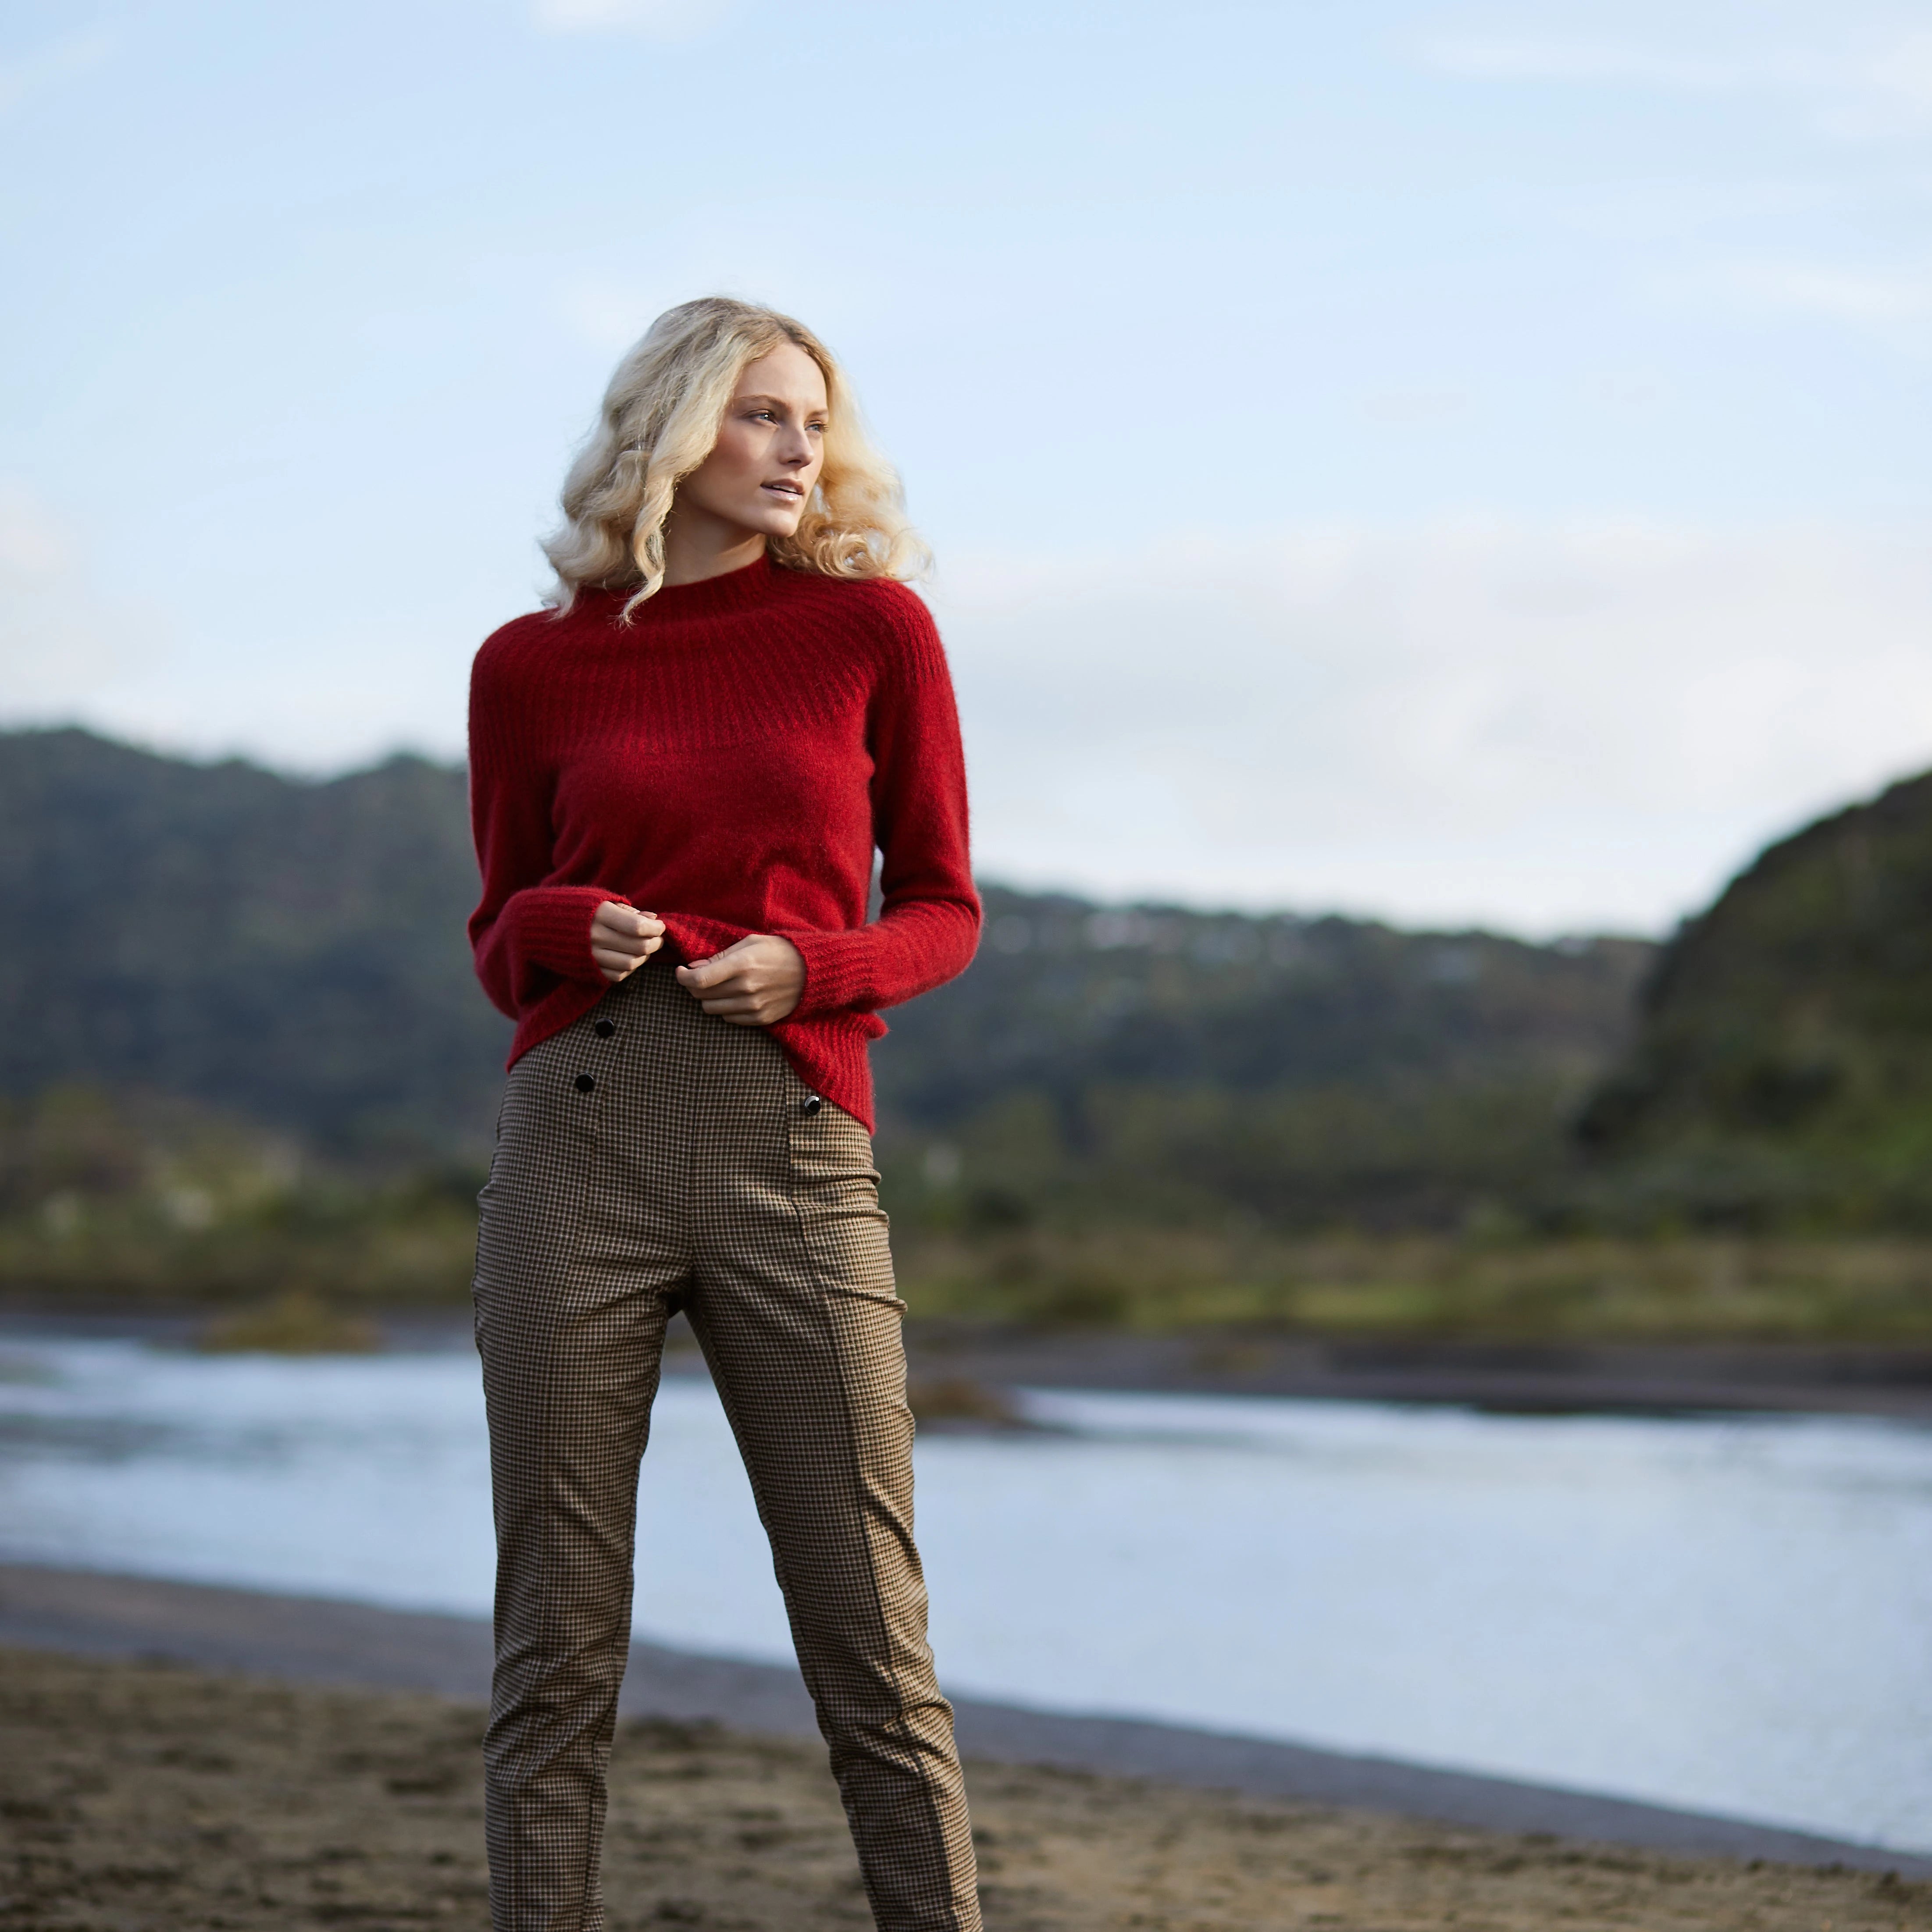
151 1795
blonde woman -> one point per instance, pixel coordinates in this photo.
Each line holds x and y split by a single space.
680 775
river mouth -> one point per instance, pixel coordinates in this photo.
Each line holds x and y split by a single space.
1721 1612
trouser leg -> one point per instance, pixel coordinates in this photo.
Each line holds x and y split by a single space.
570 1326
568 1414
794 1305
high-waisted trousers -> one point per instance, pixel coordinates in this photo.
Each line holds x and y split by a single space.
650 1157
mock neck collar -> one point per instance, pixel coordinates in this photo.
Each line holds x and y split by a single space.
747 588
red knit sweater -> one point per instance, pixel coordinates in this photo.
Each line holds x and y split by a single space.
728 760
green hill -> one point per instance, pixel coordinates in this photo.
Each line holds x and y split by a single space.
243 1057
1781 1073
292 952
1153 1063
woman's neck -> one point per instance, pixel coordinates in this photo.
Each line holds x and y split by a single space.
697 545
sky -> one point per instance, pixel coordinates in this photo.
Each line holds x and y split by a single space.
1459 463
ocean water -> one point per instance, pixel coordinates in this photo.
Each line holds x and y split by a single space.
1730 1614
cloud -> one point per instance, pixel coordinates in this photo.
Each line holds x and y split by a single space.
1857 70
34 548
270 679
27 74
1589 62
1889 302
1545 726
1890 305
58 644
653 19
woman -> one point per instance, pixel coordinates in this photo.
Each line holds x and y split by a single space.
691 758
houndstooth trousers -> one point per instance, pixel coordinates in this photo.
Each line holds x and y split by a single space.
650 1156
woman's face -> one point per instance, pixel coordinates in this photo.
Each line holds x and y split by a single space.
771 448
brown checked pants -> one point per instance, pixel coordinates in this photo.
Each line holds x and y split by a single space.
650 1157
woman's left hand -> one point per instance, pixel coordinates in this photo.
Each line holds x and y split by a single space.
752 983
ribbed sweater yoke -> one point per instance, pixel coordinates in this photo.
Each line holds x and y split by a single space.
729 759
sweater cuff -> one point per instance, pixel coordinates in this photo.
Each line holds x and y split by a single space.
554 929
838 971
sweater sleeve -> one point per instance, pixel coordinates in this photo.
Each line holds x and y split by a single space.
527 936
928 924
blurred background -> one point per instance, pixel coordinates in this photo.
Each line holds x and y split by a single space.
1423 495
1431 509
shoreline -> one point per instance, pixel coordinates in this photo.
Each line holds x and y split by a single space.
1540 1378
325 1641
1514 1377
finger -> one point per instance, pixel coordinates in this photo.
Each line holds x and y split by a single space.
625 948
734 1008
706 973
625 921
651 945
613 965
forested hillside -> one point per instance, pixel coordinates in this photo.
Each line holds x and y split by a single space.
292 952
1782 1070
243 1056
1149 1062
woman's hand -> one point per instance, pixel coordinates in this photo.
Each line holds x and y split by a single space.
622 939
752 983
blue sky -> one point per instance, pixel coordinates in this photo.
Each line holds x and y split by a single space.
1451 461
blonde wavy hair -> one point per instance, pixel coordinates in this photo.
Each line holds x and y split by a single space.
660 419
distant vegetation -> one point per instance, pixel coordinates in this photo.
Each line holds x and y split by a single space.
268 1078
127 1200
1781 1073
130 1197
289 953
1099 1067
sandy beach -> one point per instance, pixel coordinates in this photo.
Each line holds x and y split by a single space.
143 1795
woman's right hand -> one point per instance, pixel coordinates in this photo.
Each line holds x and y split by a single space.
622 939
